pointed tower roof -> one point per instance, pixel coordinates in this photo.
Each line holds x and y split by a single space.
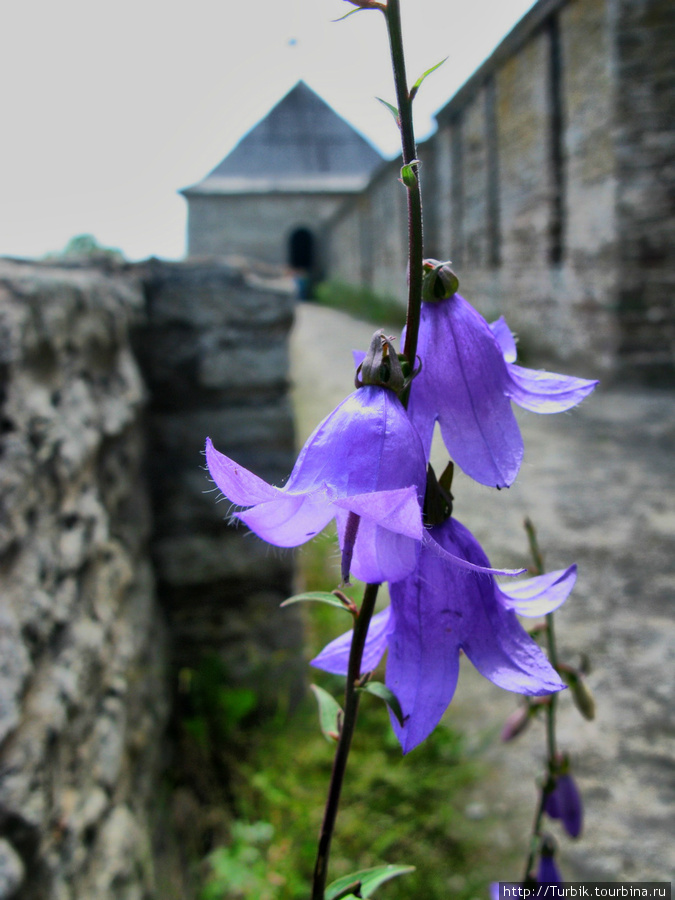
302 144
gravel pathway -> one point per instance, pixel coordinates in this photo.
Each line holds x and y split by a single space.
599 485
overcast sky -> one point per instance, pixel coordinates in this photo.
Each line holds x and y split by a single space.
108 109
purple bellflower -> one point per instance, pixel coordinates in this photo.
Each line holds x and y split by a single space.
441 609
547 870
564 803
467 382
364 466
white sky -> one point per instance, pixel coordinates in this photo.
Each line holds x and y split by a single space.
108 108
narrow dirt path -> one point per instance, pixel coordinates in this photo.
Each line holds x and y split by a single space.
598 484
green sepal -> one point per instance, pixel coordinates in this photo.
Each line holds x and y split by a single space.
368 880
415 88
377 689
321 597
392 109
330 713
408 173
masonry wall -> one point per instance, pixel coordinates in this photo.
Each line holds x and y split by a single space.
83 689
520 186
257 226
646 176
214 353
120 578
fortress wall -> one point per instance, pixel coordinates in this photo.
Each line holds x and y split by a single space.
83 690
119 576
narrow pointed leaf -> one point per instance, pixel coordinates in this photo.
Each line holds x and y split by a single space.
392 109
415 88
330 713
317 597
377 689
350 13
408 173
370 880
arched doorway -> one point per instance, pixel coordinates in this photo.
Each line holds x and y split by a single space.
302 259
301 249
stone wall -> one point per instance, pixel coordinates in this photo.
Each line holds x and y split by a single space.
214 354
119 576
83 697
646 178
258 226
549 183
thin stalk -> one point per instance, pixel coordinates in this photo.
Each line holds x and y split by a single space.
551 708
392 15
409 152
351 708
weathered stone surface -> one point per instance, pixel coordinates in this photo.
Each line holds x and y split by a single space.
83 698
549 183
227 380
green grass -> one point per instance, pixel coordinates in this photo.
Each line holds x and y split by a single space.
395 809
360 302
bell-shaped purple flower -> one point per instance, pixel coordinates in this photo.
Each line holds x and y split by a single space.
364 466
441 609
564 803
547 870
467 382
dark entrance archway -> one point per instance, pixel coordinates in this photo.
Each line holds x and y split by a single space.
302 259
301 250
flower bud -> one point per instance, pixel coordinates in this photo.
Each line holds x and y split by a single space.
583 698
438 281
547 872
381 366
564 803
516 724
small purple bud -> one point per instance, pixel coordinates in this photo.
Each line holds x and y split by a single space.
564 803
516 724
548 873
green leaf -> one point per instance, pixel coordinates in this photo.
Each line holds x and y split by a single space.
408 173
350 13
377 689
370 880
415 88
318 597
330 713
392 109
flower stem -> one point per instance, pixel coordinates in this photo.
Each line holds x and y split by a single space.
351 708
405 119
551 708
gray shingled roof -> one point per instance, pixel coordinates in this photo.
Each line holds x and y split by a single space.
301 143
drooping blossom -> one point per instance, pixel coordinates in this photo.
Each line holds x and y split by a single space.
441 609
466 384
564 803
364 459
547 870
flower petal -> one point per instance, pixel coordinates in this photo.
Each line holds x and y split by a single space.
490 635
380 554
539 595
335 656
505 339
434 547
423 660
545 392
290 519
462 385
502 651
397 510
238 484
